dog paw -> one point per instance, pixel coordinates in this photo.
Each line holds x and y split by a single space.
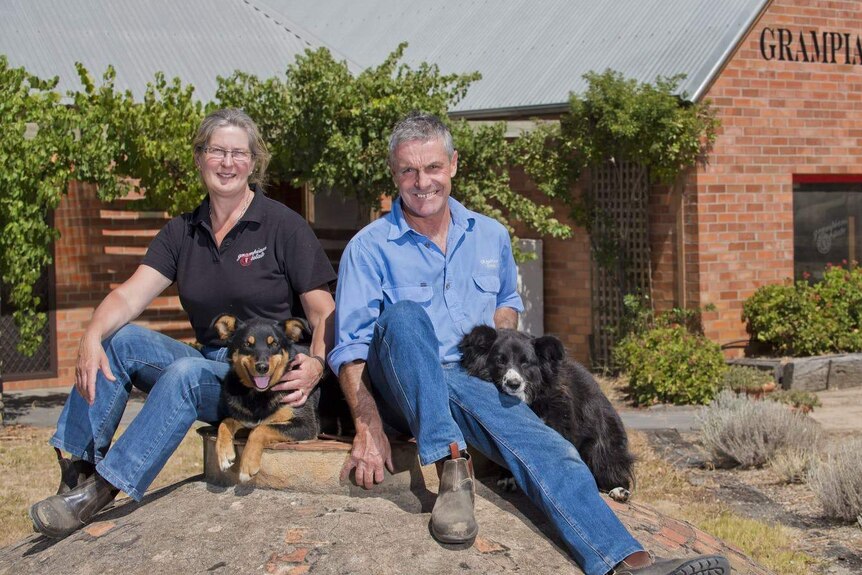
619 494
507 484
246 473
226 457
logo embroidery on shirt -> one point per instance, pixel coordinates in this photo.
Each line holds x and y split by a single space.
246 258
490 263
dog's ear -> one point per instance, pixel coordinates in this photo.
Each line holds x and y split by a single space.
549 348
475 348
297 329
225 325
479 340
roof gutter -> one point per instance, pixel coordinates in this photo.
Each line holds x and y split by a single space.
510 112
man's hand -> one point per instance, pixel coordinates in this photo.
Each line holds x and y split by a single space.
91 359
371 451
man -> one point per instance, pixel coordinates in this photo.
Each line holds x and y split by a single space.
410 286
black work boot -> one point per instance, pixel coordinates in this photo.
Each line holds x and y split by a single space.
700 565
73 471
452 519
62 515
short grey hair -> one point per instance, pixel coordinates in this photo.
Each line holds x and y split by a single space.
235 117
418 126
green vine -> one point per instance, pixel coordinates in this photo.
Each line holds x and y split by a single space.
326 128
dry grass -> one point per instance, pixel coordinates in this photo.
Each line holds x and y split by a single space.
668 489
30 473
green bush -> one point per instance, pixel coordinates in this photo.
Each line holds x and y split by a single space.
670 364
742 378
803 319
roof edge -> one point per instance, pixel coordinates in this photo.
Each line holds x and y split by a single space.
510 112
719 65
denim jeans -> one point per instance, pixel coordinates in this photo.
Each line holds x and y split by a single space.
439 404
182 385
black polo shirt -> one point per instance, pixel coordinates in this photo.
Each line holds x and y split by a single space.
268 258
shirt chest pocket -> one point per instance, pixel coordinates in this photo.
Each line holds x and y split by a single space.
419 293
487 286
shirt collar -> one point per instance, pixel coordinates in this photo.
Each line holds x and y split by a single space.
461 218
254 213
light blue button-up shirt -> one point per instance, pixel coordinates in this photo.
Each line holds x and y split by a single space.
388 261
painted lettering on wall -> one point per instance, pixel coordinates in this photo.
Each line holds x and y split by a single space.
787 45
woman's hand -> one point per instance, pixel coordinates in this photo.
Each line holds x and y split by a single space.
91 359
306 371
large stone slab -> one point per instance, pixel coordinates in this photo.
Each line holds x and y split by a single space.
194 527
823 372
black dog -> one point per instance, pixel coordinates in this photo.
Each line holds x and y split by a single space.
561 392
260 352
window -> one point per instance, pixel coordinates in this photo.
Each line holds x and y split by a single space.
826 219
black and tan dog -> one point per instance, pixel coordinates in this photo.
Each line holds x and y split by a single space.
260 352
561 392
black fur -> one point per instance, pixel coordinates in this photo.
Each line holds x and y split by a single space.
274 347
561 392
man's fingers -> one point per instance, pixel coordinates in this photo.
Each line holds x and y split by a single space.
345 469
105 366
389 465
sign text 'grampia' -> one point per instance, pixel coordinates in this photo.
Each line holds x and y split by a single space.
827 47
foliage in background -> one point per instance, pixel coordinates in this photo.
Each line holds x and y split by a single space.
670 365
326 127
666 357
30 170
801 319
738 430
741 378
617 121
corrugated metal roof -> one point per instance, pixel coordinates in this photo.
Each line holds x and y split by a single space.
531 53
196 40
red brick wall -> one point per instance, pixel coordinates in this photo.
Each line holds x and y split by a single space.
100 246
778 118
566 278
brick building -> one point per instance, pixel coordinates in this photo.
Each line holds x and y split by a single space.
781 193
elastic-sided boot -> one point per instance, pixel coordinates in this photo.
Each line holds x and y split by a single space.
61 515
452 519
73 471
700 565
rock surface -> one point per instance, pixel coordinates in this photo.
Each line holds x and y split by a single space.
194 527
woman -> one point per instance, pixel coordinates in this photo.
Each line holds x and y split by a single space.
239 252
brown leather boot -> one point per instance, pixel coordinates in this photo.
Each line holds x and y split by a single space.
452 519
62 515
73 471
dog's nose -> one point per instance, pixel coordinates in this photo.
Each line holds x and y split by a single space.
512 385
261 367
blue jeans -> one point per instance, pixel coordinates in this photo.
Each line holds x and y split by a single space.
439 404
182 385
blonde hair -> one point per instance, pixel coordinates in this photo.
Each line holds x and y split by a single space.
235 117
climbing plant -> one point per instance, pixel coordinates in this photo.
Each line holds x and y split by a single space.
327 128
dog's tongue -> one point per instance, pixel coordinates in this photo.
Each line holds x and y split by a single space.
261 381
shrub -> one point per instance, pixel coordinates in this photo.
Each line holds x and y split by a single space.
738 430
836 480
670 364
742 378
792 464
802 400
798 318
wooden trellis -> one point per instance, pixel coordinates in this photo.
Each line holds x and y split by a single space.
620 250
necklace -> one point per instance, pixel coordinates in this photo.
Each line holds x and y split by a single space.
248 198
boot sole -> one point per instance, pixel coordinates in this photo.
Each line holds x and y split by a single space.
455 541
705 566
